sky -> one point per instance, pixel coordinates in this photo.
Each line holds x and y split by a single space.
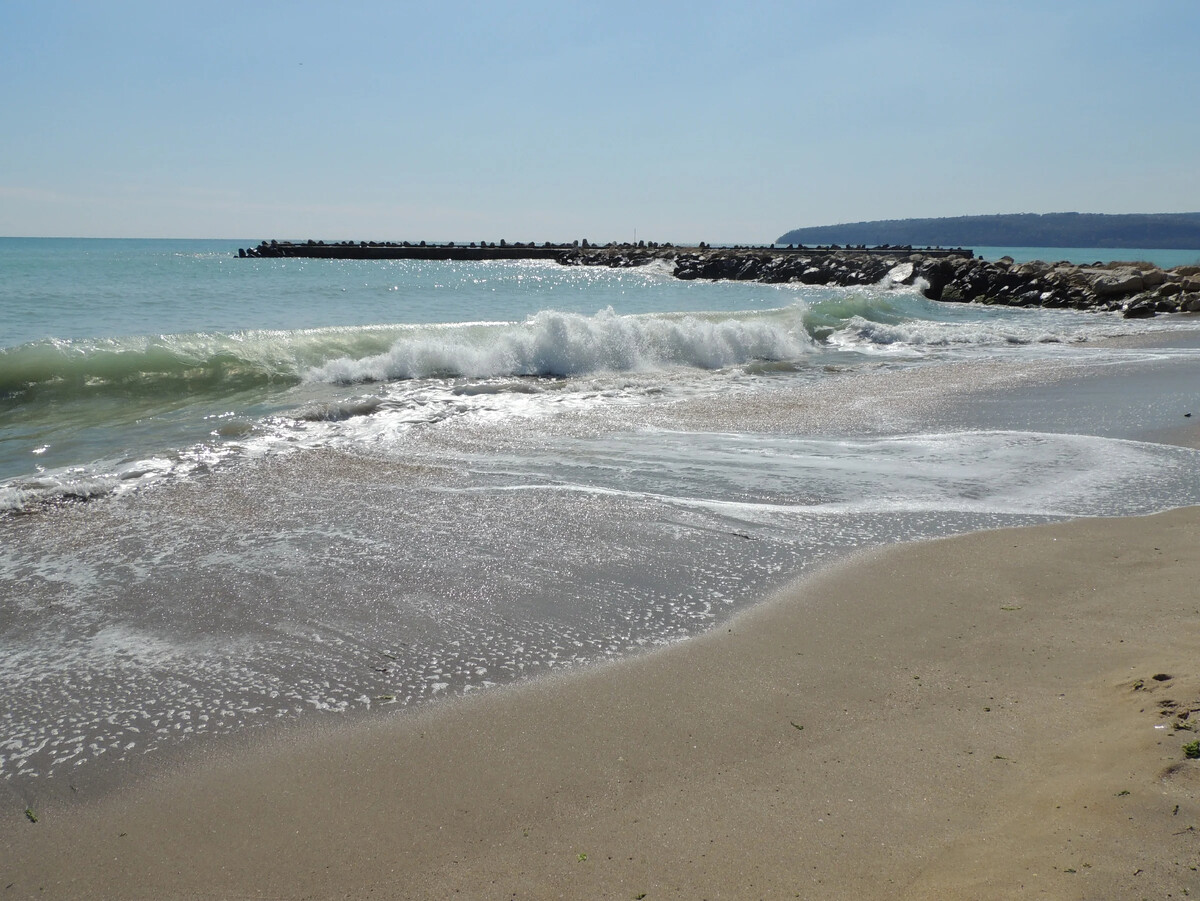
613 121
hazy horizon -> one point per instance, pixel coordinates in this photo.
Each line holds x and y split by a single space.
253 240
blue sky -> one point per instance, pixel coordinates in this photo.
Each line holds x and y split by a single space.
555 121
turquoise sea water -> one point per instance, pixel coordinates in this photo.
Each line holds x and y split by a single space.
112 349
242 492
115 352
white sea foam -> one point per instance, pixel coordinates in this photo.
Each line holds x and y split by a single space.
974 327
564 344
336 594
1005 473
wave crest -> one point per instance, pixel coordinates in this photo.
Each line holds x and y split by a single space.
564 344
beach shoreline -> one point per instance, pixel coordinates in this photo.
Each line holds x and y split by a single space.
964 717
1108 401
968 717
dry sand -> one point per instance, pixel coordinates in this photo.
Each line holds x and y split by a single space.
968 718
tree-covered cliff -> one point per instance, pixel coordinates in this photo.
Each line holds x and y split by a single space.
1146 230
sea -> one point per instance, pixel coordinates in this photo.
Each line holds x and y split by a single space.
240 495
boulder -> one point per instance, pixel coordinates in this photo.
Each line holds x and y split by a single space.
938 273
1141 307
1032 269
1153 277
1118 282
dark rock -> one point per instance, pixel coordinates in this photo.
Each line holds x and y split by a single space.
1139 308
938 273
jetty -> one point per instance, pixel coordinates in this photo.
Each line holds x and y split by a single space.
1134 289
502 250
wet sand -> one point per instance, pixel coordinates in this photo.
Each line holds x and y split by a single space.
968 718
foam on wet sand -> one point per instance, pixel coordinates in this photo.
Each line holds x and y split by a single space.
972 717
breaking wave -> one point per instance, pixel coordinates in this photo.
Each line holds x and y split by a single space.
565 344
546 344
91 417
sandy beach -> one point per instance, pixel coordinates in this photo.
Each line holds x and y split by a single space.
431 468
968 718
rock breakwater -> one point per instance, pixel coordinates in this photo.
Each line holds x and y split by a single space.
1136 289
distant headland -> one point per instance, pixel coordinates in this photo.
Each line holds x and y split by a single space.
1179 231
